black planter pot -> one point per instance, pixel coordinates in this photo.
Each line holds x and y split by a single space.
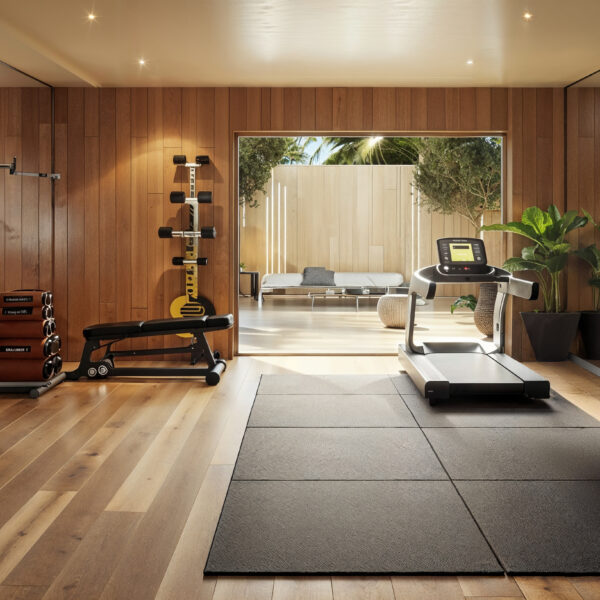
590 333
551 334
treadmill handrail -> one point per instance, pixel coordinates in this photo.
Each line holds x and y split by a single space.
424 283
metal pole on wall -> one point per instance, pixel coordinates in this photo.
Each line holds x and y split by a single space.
267 234
272 227
285 228
279 227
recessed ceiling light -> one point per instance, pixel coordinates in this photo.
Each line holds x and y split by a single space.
91 17
527 16
470 61
142 61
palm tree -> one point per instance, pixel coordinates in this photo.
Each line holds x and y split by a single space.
375 150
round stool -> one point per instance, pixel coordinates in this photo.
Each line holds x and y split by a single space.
391 309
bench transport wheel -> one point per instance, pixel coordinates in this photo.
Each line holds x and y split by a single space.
92 372
106 364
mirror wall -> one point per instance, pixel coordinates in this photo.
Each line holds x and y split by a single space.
583 192
25 202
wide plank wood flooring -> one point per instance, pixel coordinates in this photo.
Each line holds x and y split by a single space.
112 490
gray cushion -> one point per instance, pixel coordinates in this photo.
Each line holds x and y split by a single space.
317 276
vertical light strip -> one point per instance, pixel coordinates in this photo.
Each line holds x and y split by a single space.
279 227
418 229
412 228
285 228
272 224
267 234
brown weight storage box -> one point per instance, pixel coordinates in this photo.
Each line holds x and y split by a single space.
25 349
28 370
27 329
35 298
19 312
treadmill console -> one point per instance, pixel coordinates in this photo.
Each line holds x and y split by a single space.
462 256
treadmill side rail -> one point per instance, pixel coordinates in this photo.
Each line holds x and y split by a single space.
534 385
429 381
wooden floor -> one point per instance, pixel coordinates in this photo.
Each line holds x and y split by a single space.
112 490
288 325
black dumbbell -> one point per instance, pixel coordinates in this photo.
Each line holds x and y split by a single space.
205 232
180 260
181 159
180 198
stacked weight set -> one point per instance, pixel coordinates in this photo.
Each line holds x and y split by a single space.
191 304
194 315
29 345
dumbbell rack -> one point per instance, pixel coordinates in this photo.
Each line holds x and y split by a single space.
191 304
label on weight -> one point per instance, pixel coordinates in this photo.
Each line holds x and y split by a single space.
15 348
21 310
17 299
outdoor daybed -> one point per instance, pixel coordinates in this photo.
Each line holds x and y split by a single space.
341 284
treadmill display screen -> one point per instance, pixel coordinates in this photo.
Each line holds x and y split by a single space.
461 256
461 253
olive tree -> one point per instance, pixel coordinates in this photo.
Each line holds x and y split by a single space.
257 157
460 175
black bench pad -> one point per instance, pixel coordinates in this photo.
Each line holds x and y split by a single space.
187 323
125 328
122 328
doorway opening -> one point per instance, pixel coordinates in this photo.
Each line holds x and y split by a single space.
362 213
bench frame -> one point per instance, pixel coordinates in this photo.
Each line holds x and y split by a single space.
198 349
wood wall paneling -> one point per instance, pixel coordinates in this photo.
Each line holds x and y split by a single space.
114 150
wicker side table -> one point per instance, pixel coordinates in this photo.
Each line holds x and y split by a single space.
391 309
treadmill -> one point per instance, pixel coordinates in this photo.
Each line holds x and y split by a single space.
446 369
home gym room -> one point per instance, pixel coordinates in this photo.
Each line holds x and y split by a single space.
149 450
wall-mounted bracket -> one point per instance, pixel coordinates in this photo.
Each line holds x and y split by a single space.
12 170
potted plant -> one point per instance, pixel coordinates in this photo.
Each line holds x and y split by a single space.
482 307
550 331
590 319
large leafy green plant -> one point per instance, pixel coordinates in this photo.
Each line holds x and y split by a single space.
548 255
464 302
591 255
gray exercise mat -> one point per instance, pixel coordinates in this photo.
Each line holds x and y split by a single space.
336 454
326 384
341 410
317 527
518 453
349 474
539 526
499 412
403 384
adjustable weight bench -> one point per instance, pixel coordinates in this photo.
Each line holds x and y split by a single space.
104 335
